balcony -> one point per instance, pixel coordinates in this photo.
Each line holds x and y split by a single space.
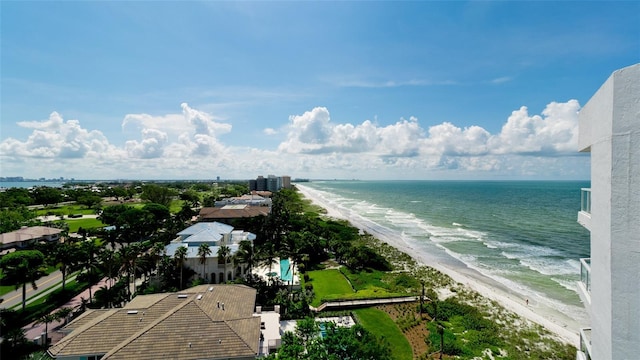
585 273
584 216
585 282
584 352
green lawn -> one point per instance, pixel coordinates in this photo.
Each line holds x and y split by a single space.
332 285
75 224
65 210
379 323
5 289
328 282
176 206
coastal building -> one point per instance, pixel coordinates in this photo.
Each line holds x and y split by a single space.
253 199
232 214
28 236
271 183
214 235
202 322
609 288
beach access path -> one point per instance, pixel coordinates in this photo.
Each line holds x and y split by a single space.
344 304
566 330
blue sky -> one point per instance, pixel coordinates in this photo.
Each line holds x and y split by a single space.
369 90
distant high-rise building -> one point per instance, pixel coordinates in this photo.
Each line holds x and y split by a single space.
286 181
270 183
253 185
273 183
261 183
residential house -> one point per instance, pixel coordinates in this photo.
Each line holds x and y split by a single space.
214 235
247 199
27 236
202 322
234 214
609 287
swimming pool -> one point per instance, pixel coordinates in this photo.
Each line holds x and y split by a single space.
285 270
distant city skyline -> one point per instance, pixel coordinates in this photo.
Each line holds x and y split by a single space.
365 90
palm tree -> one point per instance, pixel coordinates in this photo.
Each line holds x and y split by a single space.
64 256
23 266
179 256
129 255
46 319
294 241
203 252
157 251
62 313
223 253
245 254
109 261
89 249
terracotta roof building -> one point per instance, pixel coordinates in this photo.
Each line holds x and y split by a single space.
228 213
27 236
203 322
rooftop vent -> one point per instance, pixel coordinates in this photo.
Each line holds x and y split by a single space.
182 296
210 288
131 312
199 296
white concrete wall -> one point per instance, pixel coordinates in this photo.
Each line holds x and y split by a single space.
610 128
212 266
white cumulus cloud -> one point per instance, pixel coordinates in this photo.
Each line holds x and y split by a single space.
554 132
187 144
56 137
151 146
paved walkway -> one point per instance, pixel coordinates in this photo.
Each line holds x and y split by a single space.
48 218
336 305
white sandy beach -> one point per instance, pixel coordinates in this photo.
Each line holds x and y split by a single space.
564 327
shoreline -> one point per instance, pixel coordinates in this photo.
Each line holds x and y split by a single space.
563 327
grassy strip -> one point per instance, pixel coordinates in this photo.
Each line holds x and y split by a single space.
380 324
5 289
43 294
76 224
328 283
332 285
65 210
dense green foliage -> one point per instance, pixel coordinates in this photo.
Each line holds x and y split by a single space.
21 268
313 341
14 218
379 323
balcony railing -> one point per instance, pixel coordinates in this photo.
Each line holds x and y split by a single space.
585 273
585 200
585 342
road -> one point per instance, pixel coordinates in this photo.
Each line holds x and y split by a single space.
44 283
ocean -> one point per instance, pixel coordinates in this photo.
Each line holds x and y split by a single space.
522 234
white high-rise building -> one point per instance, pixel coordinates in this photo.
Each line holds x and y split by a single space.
610 279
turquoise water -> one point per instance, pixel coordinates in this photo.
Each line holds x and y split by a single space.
285 273
523 234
